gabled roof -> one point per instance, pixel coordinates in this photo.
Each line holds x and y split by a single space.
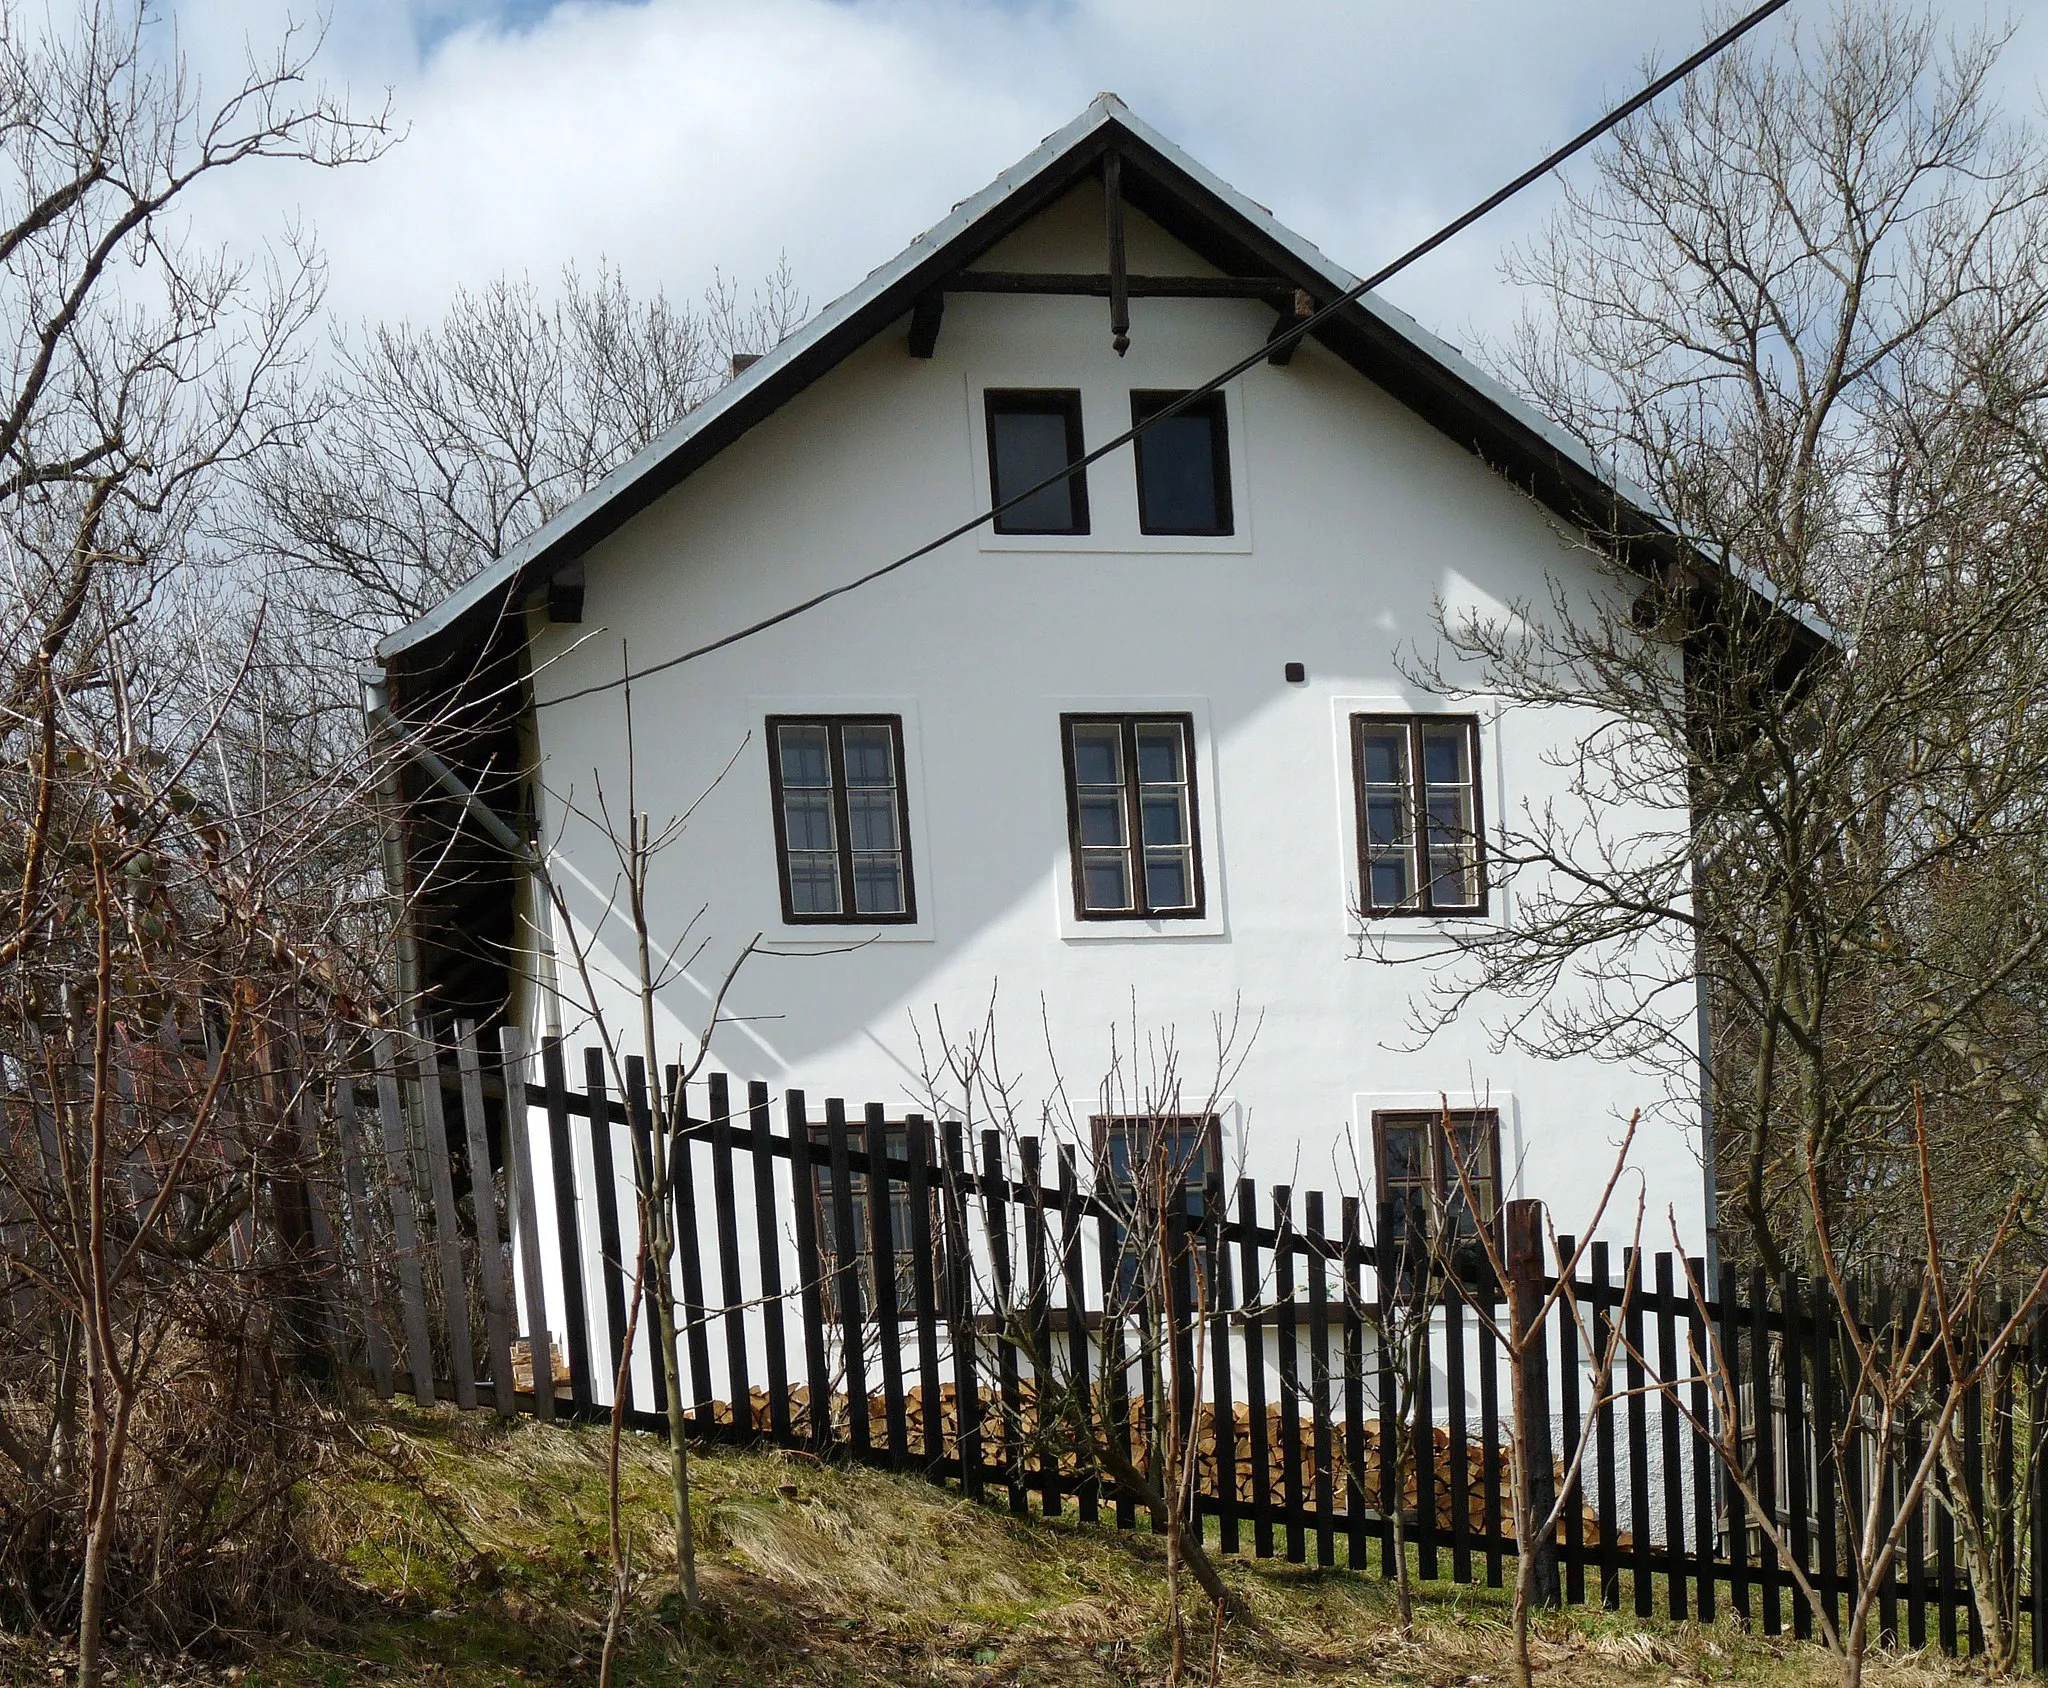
1205 214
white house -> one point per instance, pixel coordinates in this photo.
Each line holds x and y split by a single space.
1105 757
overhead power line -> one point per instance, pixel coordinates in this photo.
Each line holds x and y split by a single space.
1266 348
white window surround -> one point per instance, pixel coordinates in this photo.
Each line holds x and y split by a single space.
1112 482
1513 1147
1213 922
830 935
1413 931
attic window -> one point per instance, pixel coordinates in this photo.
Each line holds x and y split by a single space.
1031 435
1183 466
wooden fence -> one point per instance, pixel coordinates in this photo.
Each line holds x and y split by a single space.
912 1345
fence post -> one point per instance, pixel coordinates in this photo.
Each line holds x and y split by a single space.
522 1213
1532 1408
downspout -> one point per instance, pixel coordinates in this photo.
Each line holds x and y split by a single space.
1708 1168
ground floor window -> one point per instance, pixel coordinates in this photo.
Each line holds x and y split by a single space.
1439 1182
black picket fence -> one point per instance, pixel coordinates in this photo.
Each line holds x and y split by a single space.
894 1318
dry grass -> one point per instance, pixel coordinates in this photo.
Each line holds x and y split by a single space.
460 1553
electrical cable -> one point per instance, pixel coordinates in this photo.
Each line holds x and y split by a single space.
1279 342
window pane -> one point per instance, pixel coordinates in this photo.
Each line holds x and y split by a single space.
1450 813
1443 755
1403 1152
1027 446
1178 490
1105 883
1159 755
878 884
1102 821
1166 879
1165 817
806 756
1452 880
1389 881
807 819
1098 756
871 820
1386 820
843 851
870 754
1386 756
813 883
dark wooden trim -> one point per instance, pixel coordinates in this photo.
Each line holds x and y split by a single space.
1064 402
1119 271
1140 908
1425 906
925 317
1145 403
834 726
1085 284
1297 309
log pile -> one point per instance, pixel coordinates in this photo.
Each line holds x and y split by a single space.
1053 1447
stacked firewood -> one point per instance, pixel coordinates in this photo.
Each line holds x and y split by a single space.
1050 1446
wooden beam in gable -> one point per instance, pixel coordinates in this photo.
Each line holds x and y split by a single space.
925 317
1119 279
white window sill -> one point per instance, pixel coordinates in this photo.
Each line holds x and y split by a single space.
1125 545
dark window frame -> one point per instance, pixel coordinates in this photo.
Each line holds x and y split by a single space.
841 824
1424 906
1038 401
1474 1266
899 1143
1141 908
1146 402
1194 1196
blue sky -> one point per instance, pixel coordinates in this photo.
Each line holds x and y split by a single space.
679 137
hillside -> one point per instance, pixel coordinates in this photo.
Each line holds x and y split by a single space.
452 1551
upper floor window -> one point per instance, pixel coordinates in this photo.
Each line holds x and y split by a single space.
1183 466
842 822
1419 815
1033 434
1131 816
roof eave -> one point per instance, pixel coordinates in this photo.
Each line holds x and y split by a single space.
1387 344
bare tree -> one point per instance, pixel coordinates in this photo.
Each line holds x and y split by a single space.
1805 306
438 448
1914 1370
1538 1502
1410 1281
144 368
1128 1413
592 944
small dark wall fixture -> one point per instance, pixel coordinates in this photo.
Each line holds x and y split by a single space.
1297 674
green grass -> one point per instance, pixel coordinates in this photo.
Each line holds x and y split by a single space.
461 1553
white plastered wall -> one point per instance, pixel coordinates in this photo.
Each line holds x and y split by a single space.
1355 519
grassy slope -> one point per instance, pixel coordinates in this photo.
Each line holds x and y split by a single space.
462 1553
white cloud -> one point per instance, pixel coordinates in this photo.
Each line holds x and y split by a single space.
675 136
